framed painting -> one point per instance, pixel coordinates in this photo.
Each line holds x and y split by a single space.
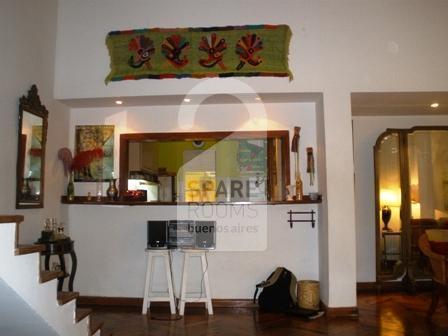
252 156
94 139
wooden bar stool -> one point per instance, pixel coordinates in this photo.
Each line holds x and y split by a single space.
151 296
204 281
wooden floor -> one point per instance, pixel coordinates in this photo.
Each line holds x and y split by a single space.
388 314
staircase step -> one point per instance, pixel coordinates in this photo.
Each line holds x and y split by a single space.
95 326
50 275
8 219
82 313
64 297
27 249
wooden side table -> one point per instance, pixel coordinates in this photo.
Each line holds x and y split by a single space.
60 248
386 254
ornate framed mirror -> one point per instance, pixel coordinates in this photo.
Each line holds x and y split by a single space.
32 133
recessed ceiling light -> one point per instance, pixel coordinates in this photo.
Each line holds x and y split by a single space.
435 105
119 102
187 100
257 98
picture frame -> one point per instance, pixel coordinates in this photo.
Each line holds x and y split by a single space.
95 137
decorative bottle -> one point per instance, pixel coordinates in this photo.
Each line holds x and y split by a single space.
112 191
71 189
299 189
26 189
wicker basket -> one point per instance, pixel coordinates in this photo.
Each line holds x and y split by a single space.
308 294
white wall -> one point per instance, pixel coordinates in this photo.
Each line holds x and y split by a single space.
345 45
115 237
324 276
28 39
208 117
110 243
21 273
337 47
365 132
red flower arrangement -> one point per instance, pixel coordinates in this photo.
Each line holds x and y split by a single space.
81 160
35 152
85 158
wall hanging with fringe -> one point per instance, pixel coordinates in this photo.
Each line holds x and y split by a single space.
255 50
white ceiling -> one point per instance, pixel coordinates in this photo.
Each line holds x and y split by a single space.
363 103
398 103
285 97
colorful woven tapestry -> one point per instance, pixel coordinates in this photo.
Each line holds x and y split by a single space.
256 50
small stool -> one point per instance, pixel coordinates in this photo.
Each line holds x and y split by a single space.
151 296
204 278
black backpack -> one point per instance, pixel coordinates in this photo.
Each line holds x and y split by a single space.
278 291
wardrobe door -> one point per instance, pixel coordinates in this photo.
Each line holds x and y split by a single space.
427 152
390 264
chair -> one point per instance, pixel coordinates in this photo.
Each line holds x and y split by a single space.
419 227
439 266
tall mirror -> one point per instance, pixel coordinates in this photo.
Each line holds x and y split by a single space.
33 121
390 261
411 185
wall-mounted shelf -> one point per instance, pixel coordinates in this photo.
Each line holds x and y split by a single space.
301 217
106 201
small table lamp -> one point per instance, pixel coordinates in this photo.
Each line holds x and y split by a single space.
389 198
386 213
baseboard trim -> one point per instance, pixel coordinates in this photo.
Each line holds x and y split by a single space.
345 312
367 287
138 302
390 286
